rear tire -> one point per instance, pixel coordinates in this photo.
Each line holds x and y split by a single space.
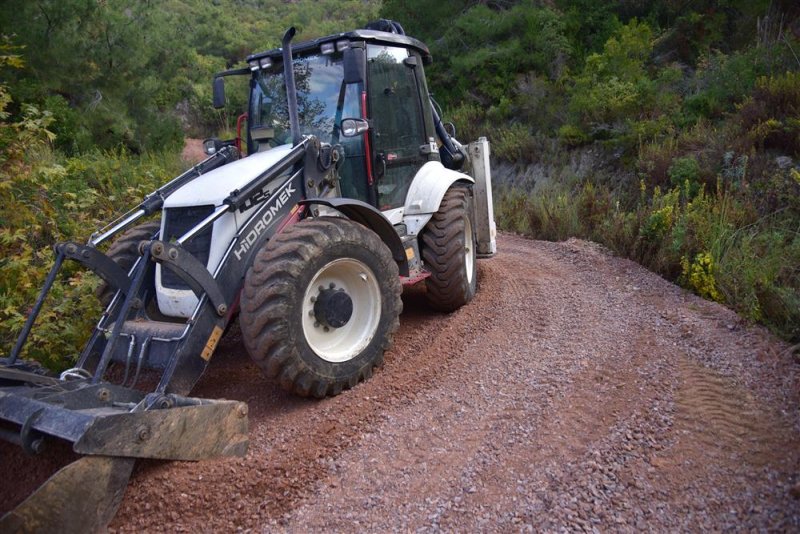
320 305
448 250
125 251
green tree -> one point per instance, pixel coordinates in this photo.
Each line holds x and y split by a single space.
614 84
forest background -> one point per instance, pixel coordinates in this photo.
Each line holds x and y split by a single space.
669 130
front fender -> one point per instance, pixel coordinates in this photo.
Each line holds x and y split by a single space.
369 216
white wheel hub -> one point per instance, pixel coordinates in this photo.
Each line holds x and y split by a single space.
469 253
360 297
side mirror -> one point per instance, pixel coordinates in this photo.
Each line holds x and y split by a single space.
219 92
353 127
211 146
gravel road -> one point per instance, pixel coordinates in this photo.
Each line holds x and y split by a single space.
577 391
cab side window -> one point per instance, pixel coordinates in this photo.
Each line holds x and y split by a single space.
398 129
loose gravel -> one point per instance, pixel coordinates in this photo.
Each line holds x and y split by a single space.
578 391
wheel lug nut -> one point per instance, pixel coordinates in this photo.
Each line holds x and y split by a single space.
316 324
321 289
332 285
313 299
326 329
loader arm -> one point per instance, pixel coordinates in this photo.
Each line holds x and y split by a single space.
112 423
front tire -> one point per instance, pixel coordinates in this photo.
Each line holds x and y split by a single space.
125 251
320 305
448 250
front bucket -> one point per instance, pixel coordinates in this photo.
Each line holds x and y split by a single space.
110 420
81 497
113 425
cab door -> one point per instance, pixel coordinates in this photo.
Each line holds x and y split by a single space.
397 125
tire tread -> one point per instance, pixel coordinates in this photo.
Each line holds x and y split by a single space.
448 287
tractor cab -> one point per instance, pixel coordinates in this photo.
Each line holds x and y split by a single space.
363 92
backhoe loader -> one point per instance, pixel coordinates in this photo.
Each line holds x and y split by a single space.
341 186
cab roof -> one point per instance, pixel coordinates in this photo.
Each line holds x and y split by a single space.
370 36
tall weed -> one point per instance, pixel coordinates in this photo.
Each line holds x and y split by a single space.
713 244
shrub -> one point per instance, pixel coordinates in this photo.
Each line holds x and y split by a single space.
722 81
712 244
614 84
512 143
698 275
512 210
685 173
572 135
771 117
45 198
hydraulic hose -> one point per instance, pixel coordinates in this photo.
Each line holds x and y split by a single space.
452 157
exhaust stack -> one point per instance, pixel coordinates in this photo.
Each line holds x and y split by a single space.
291 90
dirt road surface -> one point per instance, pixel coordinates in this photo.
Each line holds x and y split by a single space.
576 391
193 151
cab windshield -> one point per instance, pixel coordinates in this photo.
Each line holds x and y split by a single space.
322 100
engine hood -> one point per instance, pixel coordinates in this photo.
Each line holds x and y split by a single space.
214 186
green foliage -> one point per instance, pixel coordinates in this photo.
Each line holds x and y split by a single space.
770 118
421 18
572 135
614 84
758 274
724 80
715 245
698 275
45 198
510 142
49 199
685 172
588 23
136 74
483 42
480 42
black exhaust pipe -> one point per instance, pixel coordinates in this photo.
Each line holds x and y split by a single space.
291 90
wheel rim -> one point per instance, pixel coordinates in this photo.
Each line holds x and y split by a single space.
469 251
346 342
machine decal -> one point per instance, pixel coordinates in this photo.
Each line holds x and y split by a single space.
265 220
256 199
